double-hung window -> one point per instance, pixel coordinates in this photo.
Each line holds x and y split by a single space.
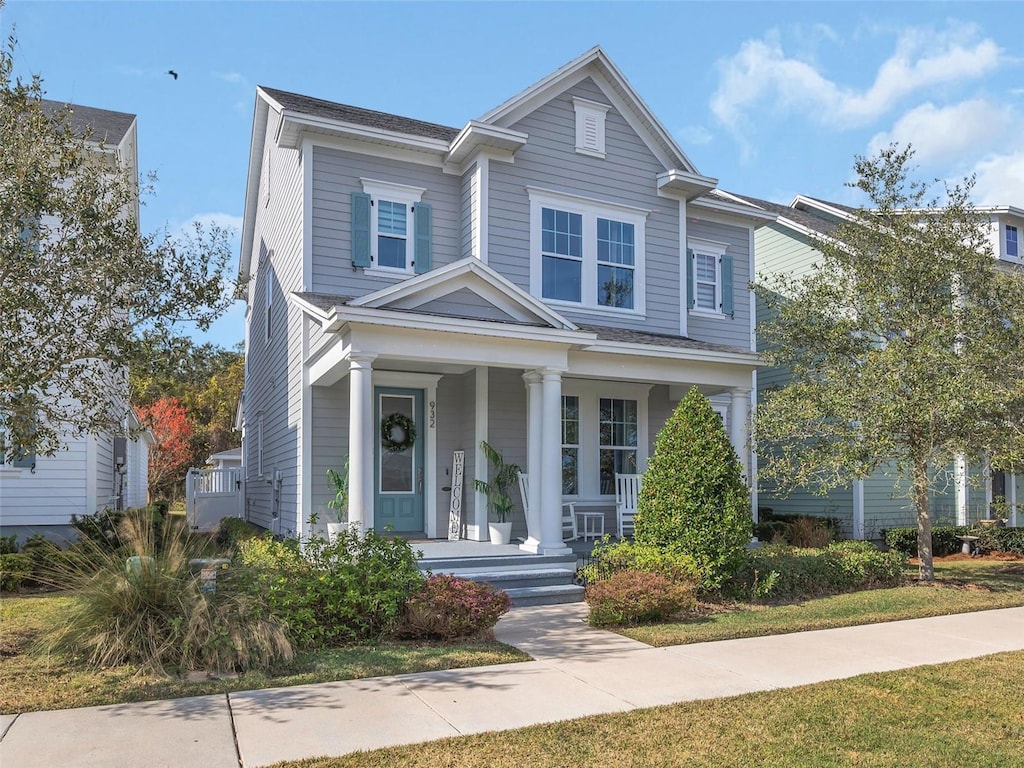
390 228
570 445
709 277
587 253
1011 241
618 439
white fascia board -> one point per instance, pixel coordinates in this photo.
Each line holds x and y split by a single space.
813 203
261 111
745 359
294 123
746 210
477 136
684 185
318 313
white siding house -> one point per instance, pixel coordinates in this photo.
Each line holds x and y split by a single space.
551 278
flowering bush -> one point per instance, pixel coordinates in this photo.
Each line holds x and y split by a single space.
631 597
449 607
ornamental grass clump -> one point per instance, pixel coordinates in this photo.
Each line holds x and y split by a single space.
693 499
447 607
149 608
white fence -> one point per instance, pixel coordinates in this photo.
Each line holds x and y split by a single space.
213 494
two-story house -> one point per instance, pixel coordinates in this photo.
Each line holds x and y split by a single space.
549 278
870 505
94 471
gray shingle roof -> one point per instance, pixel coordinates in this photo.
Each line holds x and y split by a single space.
102 125
807 219
644 338
320 108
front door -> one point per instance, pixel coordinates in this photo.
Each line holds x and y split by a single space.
398 460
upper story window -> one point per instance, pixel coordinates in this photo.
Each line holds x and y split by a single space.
269 300
709 281
1011 241
590 133
586 252
391 228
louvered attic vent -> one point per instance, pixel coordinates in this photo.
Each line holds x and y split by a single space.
590 118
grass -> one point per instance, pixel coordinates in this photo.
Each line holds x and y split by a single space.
944 716
961 586
30 681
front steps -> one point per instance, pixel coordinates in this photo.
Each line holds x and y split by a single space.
528 579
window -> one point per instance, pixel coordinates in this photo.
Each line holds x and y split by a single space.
269 300
709 277
570 445
14 456
618 440
587 253
590 118
1011 241
259 445
390 228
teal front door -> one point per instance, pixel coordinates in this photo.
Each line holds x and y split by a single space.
398 461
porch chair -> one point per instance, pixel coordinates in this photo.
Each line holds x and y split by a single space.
627 490
569 530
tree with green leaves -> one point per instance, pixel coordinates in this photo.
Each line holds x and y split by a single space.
693 499
904 345
83 294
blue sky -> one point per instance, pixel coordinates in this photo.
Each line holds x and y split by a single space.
771 98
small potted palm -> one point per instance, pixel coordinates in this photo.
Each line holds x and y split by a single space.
499 494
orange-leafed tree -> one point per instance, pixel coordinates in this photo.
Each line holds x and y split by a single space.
170 457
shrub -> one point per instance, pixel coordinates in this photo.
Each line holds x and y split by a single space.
350 589
944 539
1009 539
158 617
610 557
103 529
631 597
797 530
14 571
231 531
781 571
693 499
9 544
447 607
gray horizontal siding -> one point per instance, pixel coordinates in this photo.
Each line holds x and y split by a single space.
733 331
465 303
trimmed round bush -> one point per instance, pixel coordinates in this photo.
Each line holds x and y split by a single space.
693 499
610 557
632 597
447 607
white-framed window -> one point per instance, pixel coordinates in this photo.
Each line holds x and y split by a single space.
268 302
604 433
590 131
259 445
1011 242
12 459
392 224
587 254
709 277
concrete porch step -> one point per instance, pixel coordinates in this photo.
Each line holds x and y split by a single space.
509 580
461 566
549 595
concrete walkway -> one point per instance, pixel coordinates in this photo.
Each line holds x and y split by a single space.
577 671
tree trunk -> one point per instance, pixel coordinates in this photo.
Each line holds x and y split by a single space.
926 571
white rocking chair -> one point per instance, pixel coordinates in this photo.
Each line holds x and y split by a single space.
627 490
569 530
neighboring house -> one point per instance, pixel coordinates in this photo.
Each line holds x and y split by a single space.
550 278
90 472
881 501
229 459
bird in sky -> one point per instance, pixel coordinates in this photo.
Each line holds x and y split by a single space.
172 73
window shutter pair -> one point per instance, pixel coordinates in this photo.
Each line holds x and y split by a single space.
725 269
361 213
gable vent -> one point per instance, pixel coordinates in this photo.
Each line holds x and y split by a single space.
590 127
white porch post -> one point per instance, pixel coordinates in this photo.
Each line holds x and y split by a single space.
551 464
360 442
533 458
738 430
960 482
1011 497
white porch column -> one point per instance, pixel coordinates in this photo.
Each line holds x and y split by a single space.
360 442
551 465
738 430
533 459
960 482
1011 497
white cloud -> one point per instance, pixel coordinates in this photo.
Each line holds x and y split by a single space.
1000 179
941 134
695 135
761 76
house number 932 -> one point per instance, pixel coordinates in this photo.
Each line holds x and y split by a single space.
433 414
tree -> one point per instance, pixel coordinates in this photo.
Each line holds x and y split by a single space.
83 295
693 499
904 344
171 455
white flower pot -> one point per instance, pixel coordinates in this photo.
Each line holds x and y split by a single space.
501 533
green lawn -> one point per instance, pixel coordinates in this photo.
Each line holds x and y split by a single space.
29 681
945 716
960 587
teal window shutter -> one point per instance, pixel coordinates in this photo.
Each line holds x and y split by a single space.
727 289
421 254
360 229
25 461
689 278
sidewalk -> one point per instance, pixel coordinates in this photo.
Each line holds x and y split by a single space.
577 671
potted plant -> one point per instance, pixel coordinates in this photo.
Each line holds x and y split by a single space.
499 494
